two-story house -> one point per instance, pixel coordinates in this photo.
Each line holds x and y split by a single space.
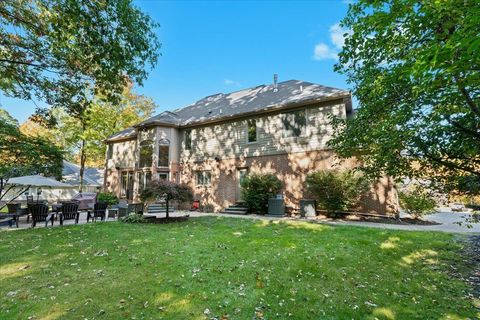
213 143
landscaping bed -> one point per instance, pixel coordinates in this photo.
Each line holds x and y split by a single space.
227 268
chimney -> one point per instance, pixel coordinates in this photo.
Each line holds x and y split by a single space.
275 82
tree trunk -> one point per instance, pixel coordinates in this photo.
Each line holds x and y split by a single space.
83 158
166 203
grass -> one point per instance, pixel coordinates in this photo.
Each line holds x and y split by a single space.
232 268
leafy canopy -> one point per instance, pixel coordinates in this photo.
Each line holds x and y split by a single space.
24 155
101 120
166 190
56 49
414 67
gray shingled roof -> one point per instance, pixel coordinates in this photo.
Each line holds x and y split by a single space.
91 176
222 106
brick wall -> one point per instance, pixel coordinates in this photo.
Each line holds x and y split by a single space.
291 169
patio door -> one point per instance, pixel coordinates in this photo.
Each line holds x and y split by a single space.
127 185
241 174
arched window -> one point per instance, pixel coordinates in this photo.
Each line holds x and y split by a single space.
146 153
163 153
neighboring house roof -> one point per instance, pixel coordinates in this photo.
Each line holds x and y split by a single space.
91 176
243 102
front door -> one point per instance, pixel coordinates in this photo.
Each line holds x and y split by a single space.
241 174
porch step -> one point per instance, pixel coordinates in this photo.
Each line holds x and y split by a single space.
156 208
237 208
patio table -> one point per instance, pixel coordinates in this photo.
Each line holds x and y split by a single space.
9 218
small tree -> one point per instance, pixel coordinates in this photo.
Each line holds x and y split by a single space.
257 189
417 202
337 191
168 191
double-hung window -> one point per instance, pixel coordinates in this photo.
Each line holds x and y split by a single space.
294 123
204 178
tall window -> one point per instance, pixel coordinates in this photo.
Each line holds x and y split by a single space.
146 153
294 123
188 139
109 151
163 152
144 178
204 178
251 130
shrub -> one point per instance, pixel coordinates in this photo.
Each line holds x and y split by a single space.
107 197
162 189
257 189
337 191
417 202
133 218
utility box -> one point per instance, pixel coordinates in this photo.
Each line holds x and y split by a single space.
276 207
308 208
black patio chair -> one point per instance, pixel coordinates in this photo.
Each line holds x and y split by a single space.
125 211
99 211
69 211
29 199
16 209
39 212
139 208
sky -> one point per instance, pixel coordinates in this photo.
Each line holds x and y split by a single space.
223 46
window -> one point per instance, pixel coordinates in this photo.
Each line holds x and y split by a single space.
163 176
294 123
251 130
124 179
188 139
204 178
109 151
146 153
144 179
163 150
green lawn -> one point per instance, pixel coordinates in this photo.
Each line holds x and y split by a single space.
232 268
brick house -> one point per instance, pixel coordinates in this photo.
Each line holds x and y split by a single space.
213 143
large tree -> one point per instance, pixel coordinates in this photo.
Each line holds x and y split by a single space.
22 155
57 49
83 136
415 70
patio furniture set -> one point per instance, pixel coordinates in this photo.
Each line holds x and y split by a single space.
41 211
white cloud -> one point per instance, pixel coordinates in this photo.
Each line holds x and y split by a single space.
323 52
336 35
233 83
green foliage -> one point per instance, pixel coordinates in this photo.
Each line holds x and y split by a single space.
107 197
168 191
337 191
55 49
257 189
414 70
133 218
22 155
417 202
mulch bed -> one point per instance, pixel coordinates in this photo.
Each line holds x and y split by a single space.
379 219
403 221
163 220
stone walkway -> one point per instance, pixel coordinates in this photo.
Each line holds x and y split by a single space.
448 222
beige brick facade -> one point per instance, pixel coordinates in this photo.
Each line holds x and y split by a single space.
291 169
